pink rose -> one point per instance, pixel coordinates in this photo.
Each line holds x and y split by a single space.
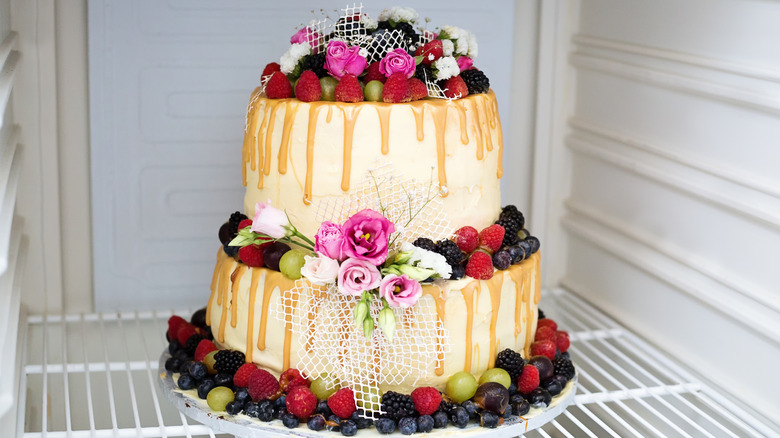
306 35
397 61
465 63
320 270
329 241
357 276
341 59
400 291
366 236
270 221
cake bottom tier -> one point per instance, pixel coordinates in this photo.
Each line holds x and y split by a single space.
481 317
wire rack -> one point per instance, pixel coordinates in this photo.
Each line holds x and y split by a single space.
93 376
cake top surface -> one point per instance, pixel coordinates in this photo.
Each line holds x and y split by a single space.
393 58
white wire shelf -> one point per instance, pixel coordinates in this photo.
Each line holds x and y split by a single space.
93 376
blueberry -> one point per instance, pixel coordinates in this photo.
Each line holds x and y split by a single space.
316 423
242 395
440 420
280 413
186 382
360 421
553 387
348 427
424 423
517 253
334 419
173 364
281 402
198 370
539 398
205 386
231 251
265 414
234 407
488 419
520 408
290 421
323 408
224 379
516 398
458 271
509 411
534 242
385 426
407 425
252 409
525 246
459 417
502 260
470 408
185 367
561 379
174 347
512 388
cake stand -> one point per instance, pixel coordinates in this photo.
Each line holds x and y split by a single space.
243 426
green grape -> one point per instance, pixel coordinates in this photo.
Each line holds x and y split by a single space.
371 400
219 397
373 91
461 386
498 375
291 263
328 85
209 361
323 387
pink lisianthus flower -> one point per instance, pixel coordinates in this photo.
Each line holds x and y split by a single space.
329 241
357 276
341 59
400 290
397 61
465 63
366 236
307 35
270 221
320 270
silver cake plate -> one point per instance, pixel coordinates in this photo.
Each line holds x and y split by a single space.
244 426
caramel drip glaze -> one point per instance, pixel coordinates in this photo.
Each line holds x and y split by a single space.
262 117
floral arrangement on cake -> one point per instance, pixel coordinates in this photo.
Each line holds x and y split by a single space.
389 59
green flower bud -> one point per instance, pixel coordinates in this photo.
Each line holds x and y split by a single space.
368 327
387 322
361 311
416 273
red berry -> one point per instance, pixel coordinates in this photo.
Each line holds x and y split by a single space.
491 237
430 52
342 403
348 89
419 90
543 333
456 88
373 73
185 331
174 323
396 89
244 223
528 380
480 266
262 384
241 378
545 348
292 378
301 402
278 87
562 341
547 322
426 400
252 255
270 69
204 347
308 88
467 239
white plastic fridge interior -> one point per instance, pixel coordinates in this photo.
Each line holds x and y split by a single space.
642 142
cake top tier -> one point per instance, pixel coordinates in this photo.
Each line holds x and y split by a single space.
394 58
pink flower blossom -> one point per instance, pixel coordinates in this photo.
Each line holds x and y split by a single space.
400 290
329 241
306 35
357 276
397 61
465 63
366 236
320 270
341 59
270 221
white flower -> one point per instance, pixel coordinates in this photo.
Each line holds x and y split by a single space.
465 41
427 259
398 13
320 270
447 47
472 46
368 22
446 67
292 56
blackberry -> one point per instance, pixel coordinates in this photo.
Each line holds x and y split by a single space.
510 239
450 251
563 366
236 219
411 35
476 81
511 213
192 344
315 63
446 407
228 361
512 223
539 314
512 362
397 406
425 243
423 72
458 271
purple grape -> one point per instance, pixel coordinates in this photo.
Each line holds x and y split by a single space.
273 253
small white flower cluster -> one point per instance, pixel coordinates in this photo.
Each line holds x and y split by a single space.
398 14
465 41
368 22
445 67
427 259
447 47
290 59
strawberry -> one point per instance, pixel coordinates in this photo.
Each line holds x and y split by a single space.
480 266
278 87
342 403
308 88
547 322
543 333
426 400
467 239
292 378
244 223
373 73
419 90
252 255
348 89
262 384
270 69
396 89
174 323
562 341
430 52
301 402
545 348
455 88
528 380
491 237
204 347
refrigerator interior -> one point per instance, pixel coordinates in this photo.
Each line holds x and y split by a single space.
641 141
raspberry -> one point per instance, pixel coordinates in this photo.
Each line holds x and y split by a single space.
174 323
204 347
426 400
511 361
243 224
491 237
546 322
562 342
544 348
308 88
301 402
262 384
228 361
396 89
270 69
419 90
430 52
467 239
528 380
480 266
241 378
292 378
455 88
185 331
348 90
373 73
278 87
342 403
252 255
543 333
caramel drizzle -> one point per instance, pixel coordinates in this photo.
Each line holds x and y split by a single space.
480 144
494 286
350 116
314 112
284 147
270 135
488 121
500 171
468 297
235 278
419 116
438 296
384 122
289 299
440 123
224 286
247 154
221 256
259 148
464 131
256 272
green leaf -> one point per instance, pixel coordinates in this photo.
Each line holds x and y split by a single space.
418 59
416 273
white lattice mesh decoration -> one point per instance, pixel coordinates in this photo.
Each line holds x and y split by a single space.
315 36
385 42
344 29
